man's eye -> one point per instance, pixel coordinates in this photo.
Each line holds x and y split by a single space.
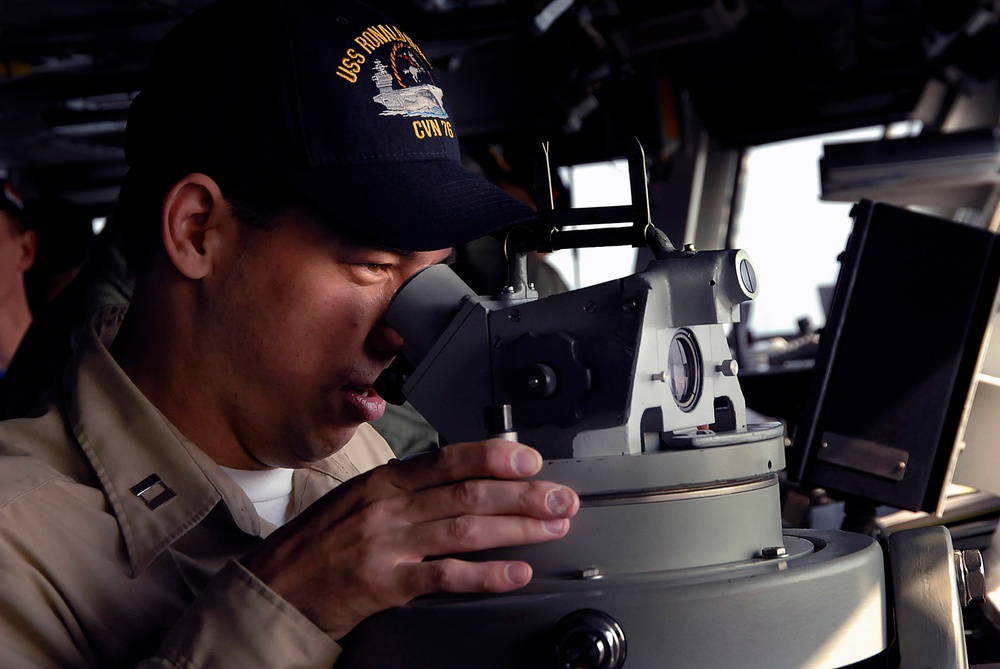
377 268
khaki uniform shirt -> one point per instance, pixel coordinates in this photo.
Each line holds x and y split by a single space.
119 537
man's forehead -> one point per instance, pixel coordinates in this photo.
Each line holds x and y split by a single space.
344 235
340 232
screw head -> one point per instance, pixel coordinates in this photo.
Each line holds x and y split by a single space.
589 573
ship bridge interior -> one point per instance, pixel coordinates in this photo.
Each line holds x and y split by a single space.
899 98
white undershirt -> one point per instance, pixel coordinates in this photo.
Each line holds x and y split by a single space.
270 491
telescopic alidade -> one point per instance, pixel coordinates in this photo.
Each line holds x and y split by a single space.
629 390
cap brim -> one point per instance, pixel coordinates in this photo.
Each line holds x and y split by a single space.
415 206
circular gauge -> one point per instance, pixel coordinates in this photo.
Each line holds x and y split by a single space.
684 365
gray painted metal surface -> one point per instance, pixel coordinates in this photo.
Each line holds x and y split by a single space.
822 606
928 611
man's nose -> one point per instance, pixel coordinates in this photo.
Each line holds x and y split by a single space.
386 340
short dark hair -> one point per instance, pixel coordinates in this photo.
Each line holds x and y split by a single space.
14 222
254 200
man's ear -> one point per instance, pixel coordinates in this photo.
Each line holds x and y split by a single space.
28 241
193 210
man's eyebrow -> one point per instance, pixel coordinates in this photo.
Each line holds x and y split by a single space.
394 251
451 259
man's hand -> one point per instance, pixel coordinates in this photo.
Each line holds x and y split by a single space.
363 547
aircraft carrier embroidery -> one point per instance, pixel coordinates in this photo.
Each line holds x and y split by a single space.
420 99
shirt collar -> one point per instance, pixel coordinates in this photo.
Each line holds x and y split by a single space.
158 483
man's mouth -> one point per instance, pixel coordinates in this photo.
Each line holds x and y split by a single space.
369 404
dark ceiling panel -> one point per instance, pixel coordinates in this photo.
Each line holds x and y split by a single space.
590 76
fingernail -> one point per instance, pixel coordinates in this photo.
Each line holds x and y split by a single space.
559 501
554 526
518 573
525 461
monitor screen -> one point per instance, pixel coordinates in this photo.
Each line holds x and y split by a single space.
897 359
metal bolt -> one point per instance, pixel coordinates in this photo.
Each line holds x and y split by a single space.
971 576
689 247
590 307
728 367
629 304
514 316
589 639
661 376
771 552
589 573
900 466
508 289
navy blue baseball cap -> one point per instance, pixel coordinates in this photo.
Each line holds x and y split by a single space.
329 98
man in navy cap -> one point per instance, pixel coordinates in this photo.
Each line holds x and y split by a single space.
17 254
203 489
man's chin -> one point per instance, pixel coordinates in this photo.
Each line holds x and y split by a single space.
326 444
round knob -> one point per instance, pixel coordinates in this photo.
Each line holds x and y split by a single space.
589 639
538 380
728 367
